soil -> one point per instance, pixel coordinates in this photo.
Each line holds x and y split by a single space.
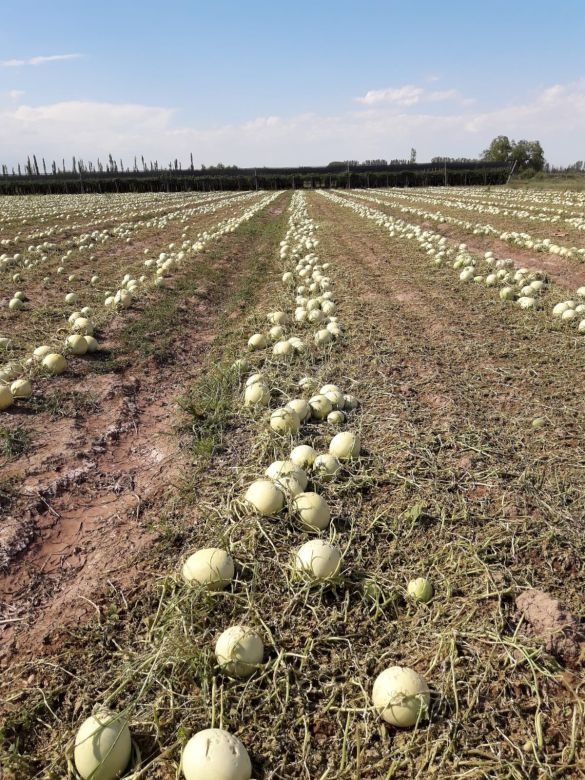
83 493
548 621
566 272
83 512
453 483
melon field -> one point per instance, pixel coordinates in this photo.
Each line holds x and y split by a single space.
292 485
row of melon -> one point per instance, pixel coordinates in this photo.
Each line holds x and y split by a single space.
35 255
82 244
516 284
520 239
103 743
400 695
120 299
557 203
58 211
287 480
15 376
463 202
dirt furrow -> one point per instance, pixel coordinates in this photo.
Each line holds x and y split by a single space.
83 505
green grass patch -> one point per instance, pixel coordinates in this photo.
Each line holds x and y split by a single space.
547 181
14 442
62 404
208 407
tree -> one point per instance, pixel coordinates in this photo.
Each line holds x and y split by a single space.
452 159
524 154
413 155
499 150
536 155
527 154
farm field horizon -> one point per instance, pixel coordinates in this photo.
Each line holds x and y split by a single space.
368 405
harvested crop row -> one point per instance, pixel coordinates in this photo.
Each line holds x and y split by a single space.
51 358
513 237
523 286
476 497
452 203
21 214
556 204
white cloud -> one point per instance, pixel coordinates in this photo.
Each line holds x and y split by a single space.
408 95
39 60
443 94
14 94
88 129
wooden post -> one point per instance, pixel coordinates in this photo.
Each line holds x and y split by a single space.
511 172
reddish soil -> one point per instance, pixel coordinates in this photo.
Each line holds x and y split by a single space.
78 521
548 621
82 517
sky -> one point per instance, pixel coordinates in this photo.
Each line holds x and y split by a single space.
289 83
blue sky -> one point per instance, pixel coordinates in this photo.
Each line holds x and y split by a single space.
289 83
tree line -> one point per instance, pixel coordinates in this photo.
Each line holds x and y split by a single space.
111 165
399 175
522 155
114 175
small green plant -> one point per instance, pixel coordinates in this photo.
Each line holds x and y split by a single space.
209 408
14 442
